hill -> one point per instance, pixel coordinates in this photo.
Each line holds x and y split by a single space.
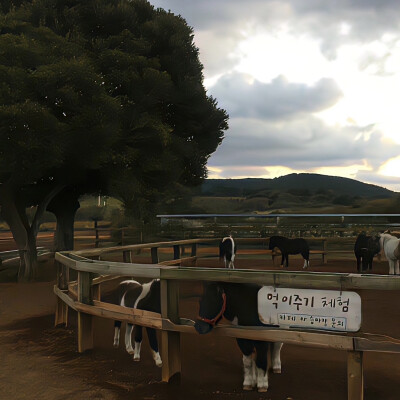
295 184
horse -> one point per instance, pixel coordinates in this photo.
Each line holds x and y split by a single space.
390 245
143 297
365 248
227 251
238 304
290 246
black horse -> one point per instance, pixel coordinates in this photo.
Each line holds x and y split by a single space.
145 296
290 246
238 303
365 248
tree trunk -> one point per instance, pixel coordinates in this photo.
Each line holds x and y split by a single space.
64 206
28 264
14 214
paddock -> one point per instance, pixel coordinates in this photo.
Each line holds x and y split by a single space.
84 294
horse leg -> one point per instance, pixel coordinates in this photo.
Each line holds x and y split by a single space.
249 370
276 357
117 330
358 263
128 338
306 256
232 260
371 258
261 365
397 272
391 267
287 260
152 335
138 343
282 259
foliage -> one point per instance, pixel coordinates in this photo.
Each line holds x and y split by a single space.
99 96
108 86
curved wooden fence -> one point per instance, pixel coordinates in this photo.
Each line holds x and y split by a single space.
83 296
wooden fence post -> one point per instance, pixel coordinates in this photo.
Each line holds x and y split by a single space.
96 232
177 253
85 321
170 341
355 376
61 317
96 292
127 256
325 252
154 255
194 253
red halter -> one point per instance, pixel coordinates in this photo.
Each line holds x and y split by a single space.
214 320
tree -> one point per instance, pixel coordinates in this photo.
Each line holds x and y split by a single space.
97 96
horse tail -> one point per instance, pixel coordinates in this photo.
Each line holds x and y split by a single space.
396 252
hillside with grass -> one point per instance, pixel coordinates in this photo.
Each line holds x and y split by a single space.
297 184
293 193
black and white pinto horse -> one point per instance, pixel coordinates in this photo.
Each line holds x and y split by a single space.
365 248
238 304
227 251
290 246
390 245
143 297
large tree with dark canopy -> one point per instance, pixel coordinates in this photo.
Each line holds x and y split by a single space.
97 96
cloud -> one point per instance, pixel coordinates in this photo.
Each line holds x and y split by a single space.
302 144
348 53
365 20
388 182
277 99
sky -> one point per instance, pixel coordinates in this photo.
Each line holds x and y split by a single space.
309 85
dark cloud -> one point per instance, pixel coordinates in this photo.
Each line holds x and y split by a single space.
321 19
389 182
272 123
277 99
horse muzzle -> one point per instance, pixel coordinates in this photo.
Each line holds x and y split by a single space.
202 327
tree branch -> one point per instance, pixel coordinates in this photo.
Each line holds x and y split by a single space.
42 207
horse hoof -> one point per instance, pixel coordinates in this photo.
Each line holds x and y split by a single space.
115 345
136 359
262 389
247 387
130 351
276 370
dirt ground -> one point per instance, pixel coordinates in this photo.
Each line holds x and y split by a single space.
38 361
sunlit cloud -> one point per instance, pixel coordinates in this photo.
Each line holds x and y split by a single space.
348 171
310 86
391 167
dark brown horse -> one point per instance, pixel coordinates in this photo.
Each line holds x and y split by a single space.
290 246
238 303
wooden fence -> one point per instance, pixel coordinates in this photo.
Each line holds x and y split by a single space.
83 296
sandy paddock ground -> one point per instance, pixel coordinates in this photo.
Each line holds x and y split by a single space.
39 361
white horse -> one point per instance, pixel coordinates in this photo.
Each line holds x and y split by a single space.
390 245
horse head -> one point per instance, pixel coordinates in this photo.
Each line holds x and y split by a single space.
273 242
374 245
211 308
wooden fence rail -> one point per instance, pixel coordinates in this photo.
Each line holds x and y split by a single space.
83 296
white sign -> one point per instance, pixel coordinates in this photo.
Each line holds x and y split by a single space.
308 308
